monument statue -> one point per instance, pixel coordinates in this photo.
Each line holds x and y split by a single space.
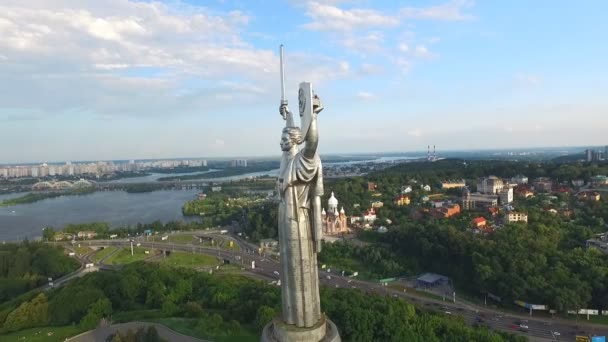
300 187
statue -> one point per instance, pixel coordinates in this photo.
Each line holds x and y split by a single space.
300 187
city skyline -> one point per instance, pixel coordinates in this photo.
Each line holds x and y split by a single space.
154 80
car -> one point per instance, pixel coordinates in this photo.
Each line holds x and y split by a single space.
556 333
447 312
523 326
276 273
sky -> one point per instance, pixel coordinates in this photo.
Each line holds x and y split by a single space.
125 79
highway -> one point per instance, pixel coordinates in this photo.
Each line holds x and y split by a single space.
538 329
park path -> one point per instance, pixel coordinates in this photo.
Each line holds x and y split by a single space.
100 334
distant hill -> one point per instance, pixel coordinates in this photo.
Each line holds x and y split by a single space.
569 158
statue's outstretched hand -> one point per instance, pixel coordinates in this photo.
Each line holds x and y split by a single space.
317 106
284 110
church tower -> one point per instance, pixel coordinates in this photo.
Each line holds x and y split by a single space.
332 204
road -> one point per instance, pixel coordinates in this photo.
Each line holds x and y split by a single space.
539 329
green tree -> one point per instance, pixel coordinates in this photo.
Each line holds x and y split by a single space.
34 313
264 316
98 310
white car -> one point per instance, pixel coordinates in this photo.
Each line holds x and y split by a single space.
556 333
523 326
276 272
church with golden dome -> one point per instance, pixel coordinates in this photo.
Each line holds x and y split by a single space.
334 221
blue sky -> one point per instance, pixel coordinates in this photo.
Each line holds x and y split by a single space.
121 79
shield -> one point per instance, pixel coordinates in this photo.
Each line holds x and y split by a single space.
305 103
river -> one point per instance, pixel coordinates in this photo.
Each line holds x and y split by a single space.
273 173
115 207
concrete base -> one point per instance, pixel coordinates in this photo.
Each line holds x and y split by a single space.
277 331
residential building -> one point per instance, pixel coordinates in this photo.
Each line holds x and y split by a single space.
426 187
600 242
478 222
377 204
489 185
402 200
446 211
477 200
238 163
372 186
543 184
516 217
369 216
599 180
578 182
505 196
406 189
589 196
334 221
524 191
86 234
453 184
519 179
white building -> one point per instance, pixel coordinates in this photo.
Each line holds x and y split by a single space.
519 179
517 217
505 195
489 185
406 189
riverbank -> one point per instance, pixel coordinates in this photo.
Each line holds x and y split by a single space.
35 197
228 172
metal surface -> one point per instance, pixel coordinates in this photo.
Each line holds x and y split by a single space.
281 55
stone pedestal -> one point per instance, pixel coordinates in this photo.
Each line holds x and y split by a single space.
277 331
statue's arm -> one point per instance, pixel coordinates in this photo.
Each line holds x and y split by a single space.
312 139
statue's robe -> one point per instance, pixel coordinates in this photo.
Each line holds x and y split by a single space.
300 181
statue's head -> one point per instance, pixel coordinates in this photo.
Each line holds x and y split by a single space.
292 136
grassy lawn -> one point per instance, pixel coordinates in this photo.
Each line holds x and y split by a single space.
182 238
188 327
82 250
40 334
124 256
185 259
102 253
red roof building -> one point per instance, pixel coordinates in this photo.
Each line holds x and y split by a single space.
478 222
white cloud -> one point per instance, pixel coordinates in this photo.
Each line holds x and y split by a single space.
122 57
367 69
332 18
422 52
527 80
218 144
416 132
363 43
450 11
366 96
